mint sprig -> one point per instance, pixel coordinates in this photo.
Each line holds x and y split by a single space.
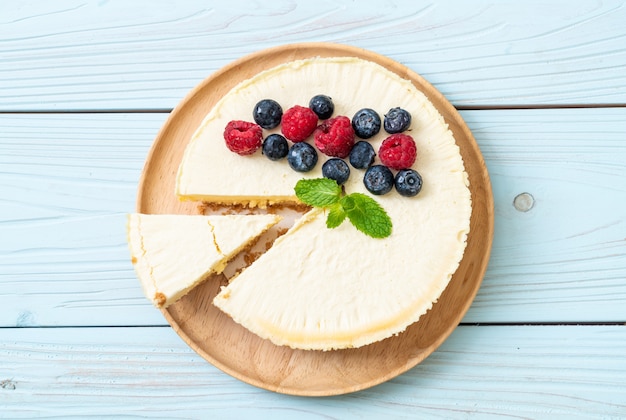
363 211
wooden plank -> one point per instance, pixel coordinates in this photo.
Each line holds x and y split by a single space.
67 182
565 258
71 55
488 372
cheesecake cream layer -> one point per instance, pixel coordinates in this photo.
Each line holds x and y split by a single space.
320 288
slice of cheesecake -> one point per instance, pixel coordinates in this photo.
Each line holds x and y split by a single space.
172 254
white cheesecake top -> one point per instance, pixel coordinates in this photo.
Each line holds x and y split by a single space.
320 288
210 172
173 253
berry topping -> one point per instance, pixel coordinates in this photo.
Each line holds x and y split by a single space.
362 155
336 169
397 120
335 137
323 106
298 123
378 179
275 147
408 182
267 113
398 151
366 123
243 137
302 157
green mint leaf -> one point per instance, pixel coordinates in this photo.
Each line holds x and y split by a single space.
318 192
367 215
363 211
336 216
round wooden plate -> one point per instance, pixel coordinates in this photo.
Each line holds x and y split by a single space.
233 349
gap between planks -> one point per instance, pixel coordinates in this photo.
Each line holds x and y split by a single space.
458 108
462 324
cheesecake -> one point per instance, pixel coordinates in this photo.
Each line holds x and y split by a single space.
172 254
318 288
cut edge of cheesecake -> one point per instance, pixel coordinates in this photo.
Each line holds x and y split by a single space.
161 247
261 202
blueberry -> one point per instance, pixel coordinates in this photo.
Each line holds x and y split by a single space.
378 179
408 182
397 120
302 157
275 147
267 113
336 169
362 155
366 123
323 106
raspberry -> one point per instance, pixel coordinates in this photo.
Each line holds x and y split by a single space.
335 137
243 137
298 123
398 151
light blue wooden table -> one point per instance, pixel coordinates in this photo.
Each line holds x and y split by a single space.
86 85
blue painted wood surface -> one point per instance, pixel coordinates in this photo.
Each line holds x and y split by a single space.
84 88
479 372
72 54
